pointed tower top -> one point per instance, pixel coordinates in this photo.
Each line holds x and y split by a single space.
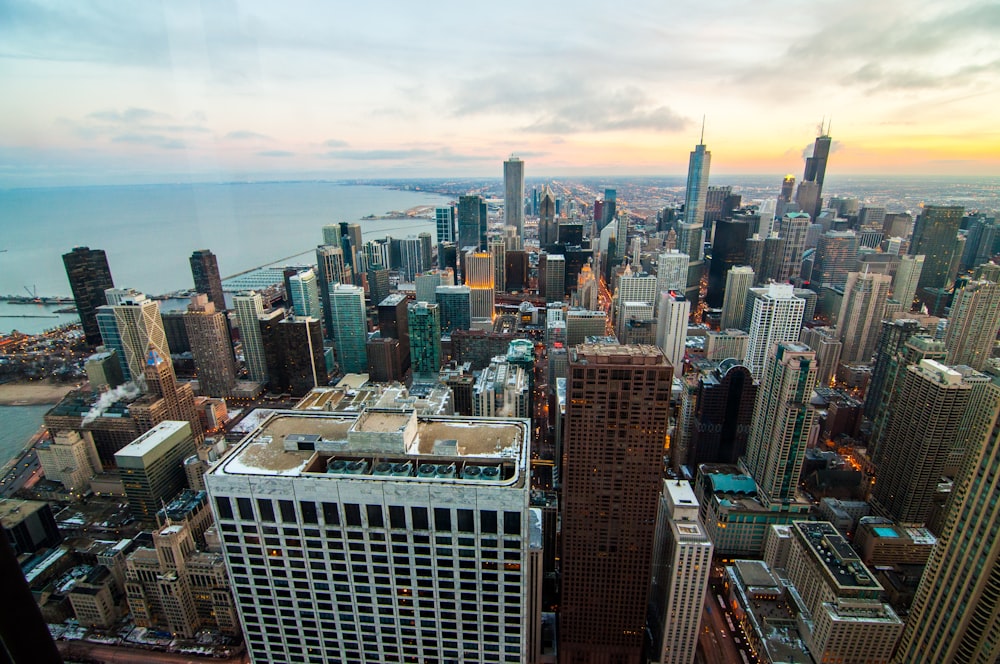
702 141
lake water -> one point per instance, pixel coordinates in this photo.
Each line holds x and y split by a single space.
149 232
17 425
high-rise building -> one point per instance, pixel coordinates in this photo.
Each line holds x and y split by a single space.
671 271
424 323
548 226
249 308
914 446
793 229
904 284
205 270
131 325
826 342
672 326
730 343
304 295
293 349
739 280
350 327
152 467
682 562
70 459
782 422
609 516
503 389
479 278
699 165
167 399
934 236
331 269
722 414
849 622
893 335
456 307
89 276
728 251
776 316
552 277
411 259
836 255
609 208
211 347
421 553
973 324
498 249
954 615
810 193
444 218
861 312
513 199
471 222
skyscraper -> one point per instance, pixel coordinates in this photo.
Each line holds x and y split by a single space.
861 312
456 307
739 280
699 164
609 209
973 324
293 349
424 323
304 295
138 327
331 269
175 402
609 514
934 236
776 316
350 327
479 277
904 284
444 218
782 422
205 270
955 612
682 562
421 555
793 230
249 307
810 194
671 271
513 199
728 251
548 227
89 276
672 326
723 414
471 222
914 446
152 468
836 255
211 347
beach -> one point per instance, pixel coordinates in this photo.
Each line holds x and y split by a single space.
33 393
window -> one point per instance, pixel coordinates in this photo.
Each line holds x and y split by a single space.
330 514
352 513
224 506
512 523
442 518
374 516
245 508
397 517
419 517
466 521
266 509
309 512
287 511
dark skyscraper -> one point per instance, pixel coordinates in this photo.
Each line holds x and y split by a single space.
548 228
810 195
722 414
611 484
89 275
205 270
293 349
935 236
728 251
471 222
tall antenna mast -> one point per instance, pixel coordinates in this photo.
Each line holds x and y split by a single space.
702 141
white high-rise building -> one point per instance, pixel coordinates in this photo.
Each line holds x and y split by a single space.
682 562
739 280
134 327
249 307
378 537
513 198
671 271
304 294
777 316
444 218
672 326
861 311
634 287
904 284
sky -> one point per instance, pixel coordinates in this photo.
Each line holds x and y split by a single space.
107 93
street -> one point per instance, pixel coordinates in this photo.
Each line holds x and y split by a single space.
96 652
719 643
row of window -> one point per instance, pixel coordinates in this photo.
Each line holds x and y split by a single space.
370 516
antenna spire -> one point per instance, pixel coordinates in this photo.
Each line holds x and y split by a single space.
702 141
828 125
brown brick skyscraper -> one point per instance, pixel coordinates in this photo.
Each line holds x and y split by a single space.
616 426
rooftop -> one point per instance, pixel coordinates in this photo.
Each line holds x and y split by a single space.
152 439
830 550
13 512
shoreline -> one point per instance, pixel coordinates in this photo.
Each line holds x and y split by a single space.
34 393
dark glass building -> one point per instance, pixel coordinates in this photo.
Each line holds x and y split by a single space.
89 275
205 270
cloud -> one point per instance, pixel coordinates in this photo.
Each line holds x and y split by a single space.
275 153
246 135
128 116
335 143
407 154
565 105
152 140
